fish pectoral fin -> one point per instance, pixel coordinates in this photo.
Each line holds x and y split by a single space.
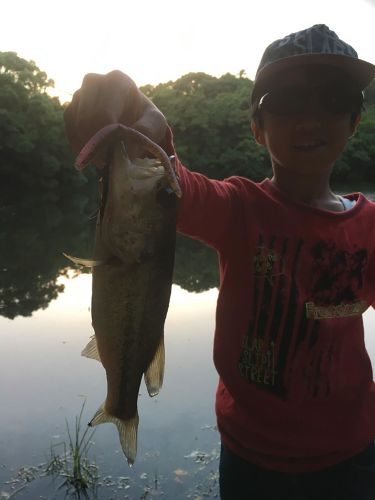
84 262
91 350
155 371
127 430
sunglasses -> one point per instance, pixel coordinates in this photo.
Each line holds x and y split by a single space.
298 99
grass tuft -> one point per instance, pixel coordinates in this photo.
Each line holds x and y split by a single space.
80 474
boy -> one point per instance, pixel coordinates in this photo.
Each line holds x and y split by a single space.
295 403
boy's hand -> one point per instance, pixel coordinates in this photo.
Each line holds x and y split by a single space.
107 99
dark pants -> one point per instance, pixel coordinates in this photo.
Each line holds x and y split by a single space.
353 479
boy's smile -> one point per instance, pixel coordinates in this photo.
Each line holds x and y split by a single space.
309 145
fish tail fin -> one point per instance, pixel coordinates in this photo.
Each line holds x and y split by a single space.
155 372
91 350
127 430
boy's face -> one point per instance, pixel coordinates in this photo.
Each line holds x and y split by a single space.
310 139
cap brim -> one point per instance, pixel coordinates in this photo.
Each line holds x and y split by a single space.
361 71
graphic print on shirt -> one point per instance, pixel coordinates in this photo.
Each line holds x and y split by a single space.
338 275
282 322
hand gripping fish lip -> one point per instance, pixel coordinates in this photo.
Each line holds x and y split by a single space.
109 134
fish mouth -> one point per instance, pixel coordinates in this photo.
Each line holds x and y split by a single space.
310 145
104 139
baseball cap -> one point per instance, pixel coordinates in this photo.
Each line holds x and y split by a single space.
315 45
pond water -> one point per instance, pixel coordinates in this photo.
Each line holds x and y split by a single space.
44 381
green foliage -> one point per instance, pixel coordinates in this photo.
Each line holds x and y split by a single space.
370 94
42 197
22 74
357 164
209 117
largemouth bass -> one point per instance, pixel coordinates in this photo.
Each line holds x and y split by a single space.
132 274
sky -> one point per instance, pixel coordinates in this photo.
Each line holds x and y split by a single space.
155 41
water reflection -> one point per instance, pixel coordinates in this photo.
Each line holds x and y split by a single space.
34 235
36 226
44 379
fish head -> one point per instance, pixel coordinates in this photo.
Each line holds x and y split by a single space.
135 204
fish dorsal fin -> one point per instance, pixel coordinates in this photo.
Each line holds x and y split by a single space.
155 371
127 430
91 350
84 262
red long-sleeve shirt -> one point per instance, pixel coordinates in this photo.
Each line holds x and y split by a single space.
296 390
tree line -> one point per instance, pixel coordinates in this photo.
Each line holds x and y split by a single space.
47 207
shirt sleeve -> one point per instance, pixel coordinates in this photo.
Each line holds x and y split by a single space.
207 206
